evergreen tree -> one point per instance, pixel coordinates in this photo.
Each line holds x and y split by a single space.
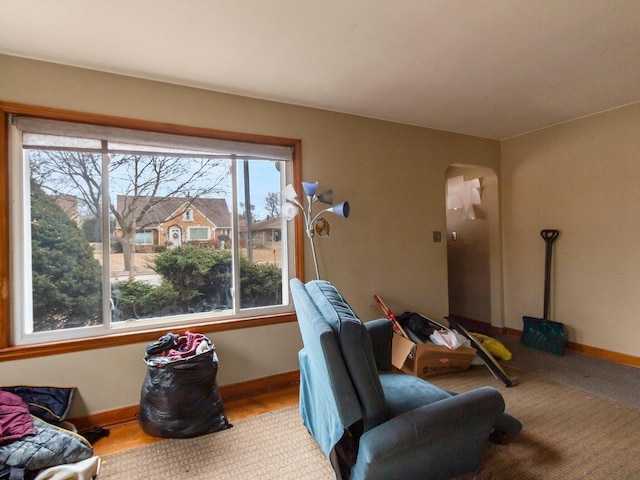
67 284
92 230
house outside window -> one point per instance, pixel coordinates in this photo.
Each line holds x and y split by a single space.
130 185
167 216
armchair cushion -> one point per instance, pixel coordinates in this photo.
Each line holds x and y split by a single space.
322 374
403 393
356 348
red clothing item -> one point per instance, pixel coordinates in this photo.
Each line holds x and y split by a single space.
186 345
15 420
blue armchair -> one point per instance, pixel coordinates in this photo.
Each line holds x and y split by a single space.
374 424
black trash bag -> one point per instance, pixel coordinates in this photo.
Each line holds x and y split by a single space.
416 325
180 398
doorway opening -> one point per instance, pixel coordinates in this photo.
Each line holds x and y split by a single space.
473 248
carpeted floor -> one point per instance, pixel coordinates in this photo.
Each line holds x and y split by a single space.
568 434
613 380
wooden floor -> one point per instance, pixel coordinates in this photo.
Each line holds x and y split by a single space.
129 435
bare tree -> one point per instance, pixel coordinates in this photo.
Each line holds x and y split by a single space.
145 182
71 174
272 204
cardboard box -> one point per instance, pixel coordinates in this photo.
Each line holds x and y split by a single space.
428 359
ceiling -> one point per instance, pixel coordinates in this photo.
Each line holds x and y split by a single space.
490 68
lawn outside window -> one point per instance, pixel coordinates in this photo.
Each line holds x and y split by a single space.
121 230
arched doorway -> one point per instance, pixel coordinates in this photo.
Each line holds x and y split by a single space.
474 247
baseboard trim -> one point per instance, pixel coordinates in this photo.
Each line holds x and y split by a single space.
227 392
259 385
473 325
617 357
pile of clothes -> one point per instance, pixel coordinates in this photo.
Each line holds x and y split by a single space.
172 347
36 442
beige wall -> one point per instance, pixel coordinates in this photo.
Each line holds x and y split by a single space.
582 178
391 174
110 378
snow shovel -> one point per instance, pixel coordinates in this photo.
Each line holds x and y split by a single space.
542 333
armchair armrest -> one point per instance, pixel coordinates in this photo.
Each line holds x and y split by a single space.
444 439
381 334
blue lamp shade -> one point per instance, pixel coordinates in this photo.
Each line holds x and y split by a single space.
341 209
310 188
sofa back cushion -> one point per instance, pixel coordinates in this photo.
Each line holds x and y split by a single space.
355 345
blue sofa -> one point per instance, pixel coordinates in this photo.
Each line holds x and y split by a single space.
372 423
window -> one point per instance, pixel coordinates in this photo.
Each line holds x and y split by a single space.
144 237
199 233
85 194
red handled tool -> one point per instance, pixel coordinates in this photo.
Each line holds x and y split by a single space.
396 325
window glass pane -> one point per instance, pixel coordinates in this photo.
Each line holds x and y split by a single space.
144 238
66 244
260 232
198 233
167 276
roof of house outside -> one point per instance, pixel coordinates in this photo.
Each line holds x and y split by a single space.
274 223
164 209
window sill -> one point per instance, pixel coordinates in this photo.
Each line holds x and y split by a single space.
118 339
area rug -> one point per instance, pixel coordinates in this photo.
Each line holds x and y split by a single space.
273 445
568 434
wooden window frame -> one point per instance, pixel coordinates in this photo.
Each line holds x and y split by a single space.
12 352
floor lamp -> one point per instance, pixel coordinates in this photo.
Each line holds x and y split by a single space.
293 205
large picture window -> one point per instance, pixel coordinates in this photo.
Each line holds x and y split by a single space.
117 229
